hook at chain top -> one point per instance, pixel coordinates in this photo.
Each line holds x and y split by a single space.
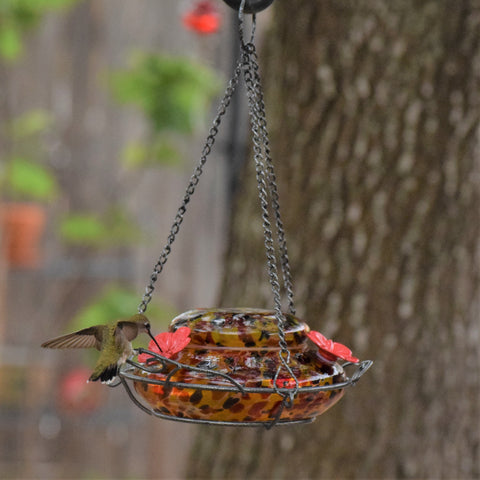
241 28
250 6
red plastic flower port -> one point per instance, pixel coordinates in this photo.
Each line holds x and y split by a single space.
169 342
203 18
331 349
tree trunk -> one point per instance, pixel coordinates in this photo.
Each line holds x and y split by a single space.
373 110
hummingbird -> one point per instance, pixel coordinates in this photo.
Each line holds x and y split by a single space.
112 340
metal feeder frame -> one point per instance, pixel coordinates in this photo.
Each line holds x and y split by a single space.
127 373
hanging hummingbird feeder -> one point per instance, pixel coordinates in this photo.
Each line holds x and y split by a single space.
241 366
230 371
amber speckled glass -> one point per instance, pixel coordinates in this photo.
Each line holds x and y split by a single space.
242 343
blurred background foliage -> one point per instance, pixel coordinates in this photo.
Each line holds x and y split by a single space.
113 228
89 133
116 301
24 174
24 179
174 93
19 16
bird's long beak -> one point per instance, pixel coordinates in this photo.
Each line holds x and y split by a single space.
154 339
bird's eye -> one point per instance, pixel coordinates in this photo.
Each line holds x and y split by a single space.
146 325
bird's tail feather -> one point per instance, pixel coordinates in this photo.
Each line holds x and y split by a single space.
106 375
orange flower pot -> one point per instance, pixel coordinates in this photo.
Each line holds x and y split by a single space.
22 226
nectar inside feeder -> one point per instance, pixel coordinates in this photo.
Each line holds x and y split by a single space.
227 373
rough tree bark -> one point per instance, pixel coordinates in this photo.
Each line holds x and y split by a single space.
374 111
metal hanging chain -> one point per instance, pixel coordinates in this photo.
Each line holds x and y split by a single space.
194 179
249 64
258 105
266 193
272 183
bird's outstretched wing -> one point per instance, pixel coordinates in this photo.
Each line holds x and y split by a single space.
86 338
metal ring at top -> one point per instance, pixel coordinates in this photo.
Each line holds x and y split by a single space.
251 6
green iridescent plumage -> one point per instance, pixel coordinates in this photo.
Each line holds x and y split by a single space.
113 341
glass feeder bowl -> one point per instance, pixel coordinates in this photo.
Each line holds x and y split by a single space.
243 344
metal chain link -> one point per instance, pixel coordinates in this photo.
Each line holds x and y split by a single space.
263 169
194 179
259 106
272 183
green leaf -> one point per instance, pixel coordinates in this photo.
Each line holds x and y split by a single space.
83 229
30 180
10 42
91 230
135 154
121 229
31 123
17 17
162 151
173 92
117 302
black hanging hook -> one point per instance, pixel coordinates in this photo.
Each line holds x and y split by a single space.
251 6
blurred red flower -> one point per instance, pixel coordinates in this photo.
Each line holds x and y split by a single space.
75 395
169 342
331 349
203 18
